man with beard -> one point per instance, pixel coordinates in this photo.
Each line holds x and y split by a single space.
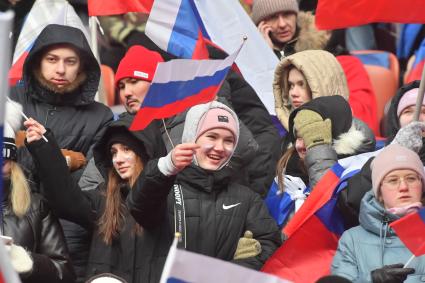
277 22
60 80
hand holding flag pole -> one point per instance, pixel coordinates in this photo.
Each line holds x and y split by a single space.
25 117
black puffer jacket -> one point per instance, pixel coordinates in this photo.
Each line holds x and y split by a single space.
76 120
217 211
39 232
132 257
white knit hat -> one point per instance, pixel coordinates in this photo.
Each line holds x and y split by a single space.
261 9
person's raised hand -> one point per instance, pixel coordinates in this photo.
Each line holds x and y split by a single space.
265 30
34 131
182 155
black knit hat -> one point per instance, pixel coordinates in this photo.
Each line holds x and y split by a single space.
123 136
9 148
334 107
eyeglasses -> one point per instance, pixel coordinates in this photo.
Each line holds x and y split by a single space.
393 182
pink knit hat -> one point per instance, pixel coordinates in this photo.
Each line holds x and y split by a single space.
394 157
217 118
408 99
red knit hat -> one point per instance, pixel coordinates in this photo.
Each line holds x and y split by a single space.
139 63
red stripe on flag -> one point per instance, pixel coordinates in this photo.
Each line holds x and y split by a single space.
334 14
147 114
200 51
411 231
115 7
15 72
306 256
320 195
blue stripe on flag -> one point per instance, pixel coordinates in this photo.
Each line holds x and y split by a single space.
199 20
175 280
156 97
422 214
185 32
331 217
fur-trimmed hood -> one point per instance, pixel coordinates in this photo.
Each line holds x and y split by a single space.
358 139
322 71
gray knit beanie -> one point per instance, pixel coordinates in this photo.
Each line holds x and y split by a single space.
261 9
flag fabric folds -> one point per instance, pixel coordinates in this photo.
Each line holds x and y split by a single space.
116 7
223 23
411 231
183 266
175 26
42 13
314 231
331 14
180 84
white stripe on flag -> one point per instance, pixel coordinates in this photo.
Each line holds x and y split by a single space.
226 23
43 13
161 21
192 267
187 69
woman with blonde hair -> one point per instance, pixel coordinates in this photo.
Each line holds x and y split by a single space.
31 232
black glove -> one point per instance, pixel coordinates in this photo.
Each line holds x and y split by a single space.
394 273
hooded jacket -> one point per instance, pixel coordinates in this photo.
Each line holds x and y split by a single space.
349 136
322 72
361 95
217 211
39 232
76 120
350 198
134 257
372 245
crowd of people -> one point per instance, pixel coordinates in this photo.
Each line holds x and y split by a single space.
85 198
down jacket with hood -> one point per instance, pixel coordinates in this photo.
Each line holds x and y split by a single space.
76 120
217 210
134 257
361 95
349 137
350 198
372 245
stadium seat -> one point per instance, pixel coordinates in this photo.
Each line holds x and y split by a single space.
384 85
108 84
380 58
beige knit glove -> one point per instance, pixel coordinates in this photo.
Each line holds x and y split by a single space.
20 259
312 129
247 247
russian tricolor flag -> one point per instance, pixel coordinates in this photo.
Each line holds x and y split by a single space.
180 84
185 38
183 266
314 231
411 231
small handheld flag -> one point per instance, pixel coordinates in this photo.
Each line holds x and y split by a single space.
180 84
411 231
